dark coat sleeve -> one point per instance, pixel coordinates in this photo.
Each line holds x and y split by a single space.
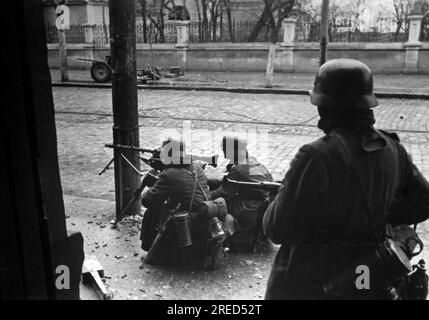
159 193
295 212
412 199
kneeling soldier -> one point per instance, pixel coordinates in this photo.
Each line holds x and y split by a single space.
175 230
245 205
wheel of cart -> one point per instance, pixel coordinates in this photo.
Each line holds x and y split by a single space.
101 72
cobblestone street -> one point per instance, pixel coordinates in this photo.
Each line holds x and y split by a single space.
84 124
275 125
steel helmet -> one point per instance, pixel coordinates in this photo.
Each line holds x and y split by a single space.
343 83
234 148
173 151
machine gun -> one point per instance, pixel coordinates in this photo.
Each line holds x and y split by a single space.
270 186
150 177
155 160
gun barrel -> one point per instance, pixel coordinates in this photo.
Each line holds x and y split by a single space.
125 147
210 160
86 59
262 185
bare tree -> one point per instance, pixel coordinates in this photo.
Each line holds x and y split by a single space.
215 12
356 9
106 33
420 7
306 10
210 13
227 8
144 13
308 19
155 12
203 26
401 11
275 11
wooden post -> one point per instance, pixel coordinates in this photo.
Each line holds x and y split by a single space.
324 24
63 55
124 97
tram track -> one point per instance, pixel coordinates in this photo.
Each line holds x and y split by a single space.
254 122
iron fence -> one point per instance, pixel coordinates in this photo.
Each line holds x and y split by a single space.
199 32
424 36
153 34
167 34
101 34
76 34
237 31
383 30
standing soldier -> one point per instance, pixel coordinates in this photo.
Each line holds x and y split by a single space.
246 206
341 190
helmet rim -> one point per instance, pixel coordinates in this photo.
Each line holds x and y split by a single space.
322 100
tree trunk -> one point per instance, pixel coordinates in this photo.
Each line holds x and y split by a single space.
270 65
262 22
63 55
398 29
143 4
161 24
199 20
206 31
324 27
106 35
213 23
230 28
214 31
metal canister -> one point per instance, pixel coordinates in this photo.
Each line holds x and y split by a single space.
182 222
215 229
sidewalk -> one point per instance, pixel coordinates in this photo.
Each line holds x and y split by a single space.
239 276
383 84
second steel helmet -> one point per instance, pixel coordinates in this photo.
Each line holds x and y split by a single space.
343 83
234 148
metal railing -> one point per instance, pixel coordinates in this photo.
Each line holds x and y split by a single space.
424 35
101 34
238 31
76 34
383 30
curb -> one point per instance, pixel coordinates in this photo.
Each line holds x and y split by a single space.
394 95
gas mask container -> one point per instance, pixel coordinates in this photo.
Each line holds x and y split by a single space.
182 223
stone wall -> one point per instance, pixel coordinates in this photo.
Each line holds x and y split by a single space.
384 58
291 56
423 64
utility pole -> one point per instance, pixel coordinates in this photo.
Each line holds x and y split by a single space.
124 97
324 26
